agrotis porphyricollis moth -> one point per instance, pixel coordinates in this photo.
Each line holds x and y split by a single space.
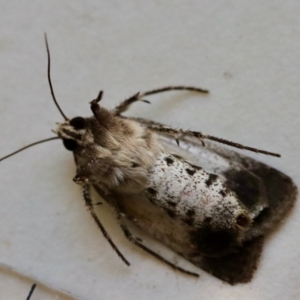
211 205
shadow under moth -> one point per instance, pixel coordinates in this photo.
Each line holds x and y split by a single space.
209 204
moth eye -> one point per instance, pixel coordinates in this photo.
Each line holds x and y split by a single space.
78 122
70 144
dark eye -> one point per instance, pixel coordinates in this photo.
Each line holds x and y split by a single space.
78 122
70 144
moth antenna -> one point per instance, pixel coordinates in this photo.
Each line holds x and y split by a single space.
49 80
31 291
28 146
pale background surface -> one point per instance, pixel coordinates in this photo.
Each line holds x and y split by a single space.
245 52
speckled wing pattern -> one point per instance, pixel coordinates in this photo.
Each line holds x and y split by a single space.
215 208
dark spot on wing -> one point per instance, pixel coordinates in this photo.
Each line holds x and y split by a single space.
169 160
190 217
224 192
210 180
172 204
152 191
170 212
190 212
190 171
248 187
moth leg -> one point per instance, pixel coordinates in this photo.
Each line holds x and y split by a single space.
31 291
88 202
123 106
179 133
138 242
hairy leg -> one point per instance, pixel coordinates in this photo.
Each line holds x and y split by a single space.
123 106
138 242
88 202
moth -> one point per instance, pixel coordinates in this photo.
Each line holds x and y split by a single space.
211 205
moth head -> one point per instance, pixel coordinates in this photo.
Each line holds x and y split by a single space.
72 132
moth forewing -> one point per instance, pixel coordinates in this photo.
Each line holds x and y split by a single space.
248 179
266 193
